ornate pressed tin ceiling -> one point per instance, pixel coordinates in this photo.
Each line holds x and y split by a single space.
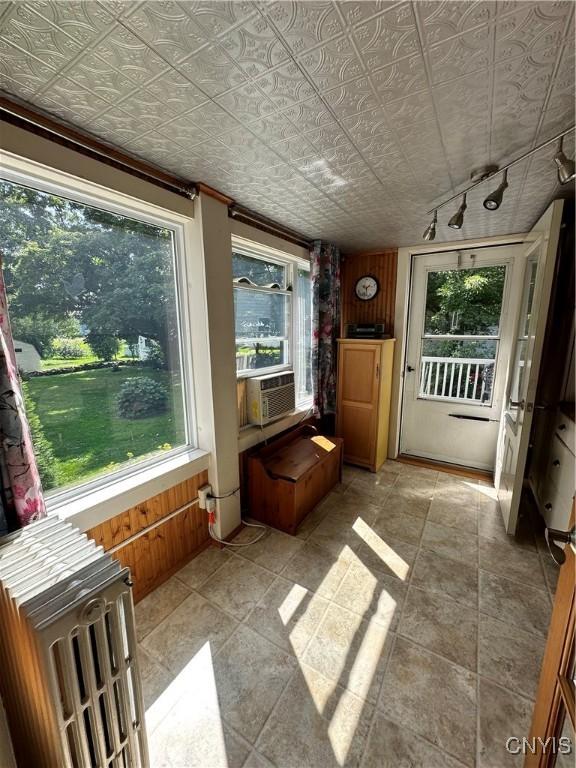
343 120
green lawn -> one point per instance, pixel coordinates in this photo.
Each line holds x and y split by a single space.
78 414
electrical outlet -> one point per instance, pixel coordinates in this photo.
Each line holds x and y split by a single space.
203 494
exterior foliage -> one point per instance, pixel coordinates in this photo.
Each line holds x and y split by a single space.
141 397
42 331
60 257
103 345
69 349
45 459
464 302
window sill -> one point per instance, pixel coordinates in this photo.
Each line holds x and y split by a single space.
252 435
251 372
96 506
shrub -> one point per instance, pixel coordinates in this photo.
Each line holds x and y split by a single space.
141 397
69 349
155 357
45 459
105 346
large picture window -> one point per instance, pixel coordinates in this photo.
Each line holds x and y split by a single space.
273 316
94 307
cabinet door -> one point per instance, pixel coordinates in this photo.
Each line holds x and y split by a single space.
358 401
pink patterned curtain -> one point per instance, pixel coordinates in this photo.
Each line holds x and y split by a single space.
22 497
325 268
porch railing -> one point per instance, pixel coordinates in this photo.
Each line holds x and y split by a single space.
245 362
457 378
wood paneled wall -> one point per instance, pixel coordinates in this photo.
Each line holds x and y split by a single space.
382 266
158 552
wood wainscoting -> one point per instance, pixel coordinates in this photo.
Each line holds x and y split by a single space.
157 537
382 265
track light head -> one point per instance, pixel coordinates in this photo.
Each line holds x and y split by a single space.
458 219
494 200
430 232
566 169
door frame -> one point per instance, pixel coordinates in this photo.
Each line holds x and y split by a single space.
511 260
403 282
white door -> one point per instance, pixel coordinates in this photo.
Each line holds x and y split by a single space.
524 363
459 337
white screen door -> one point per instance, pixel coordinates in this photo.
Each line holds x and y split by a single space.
459 335
524 363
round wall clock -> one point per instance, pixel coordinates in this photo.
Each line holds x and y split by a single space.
366 288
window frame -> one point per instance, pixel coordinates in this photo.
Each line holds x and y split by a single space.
292 265
91 194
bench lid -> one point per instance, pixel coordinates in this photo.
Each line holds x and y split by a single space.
292 461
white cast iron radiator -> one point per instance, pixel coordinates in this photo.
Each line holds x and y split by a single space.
68 668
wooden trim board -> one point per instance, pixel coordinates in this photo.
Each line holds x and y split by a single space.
451 469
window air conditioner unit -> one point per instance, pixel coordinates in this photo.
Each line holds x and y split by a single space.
270 397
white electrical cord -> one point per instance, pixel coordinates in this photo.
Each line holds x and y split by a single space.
233 544
238 544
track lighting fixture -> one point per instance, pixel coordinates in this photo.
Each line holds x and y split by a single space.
566 170
430 232
458 219
494 200
566 173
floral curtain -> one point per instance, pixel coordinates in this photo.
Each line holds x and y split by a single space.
22 500
325 259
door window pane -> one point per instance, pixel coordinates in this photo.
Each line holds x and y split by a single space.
521 349
458 370
461 304
262 323
94 314
464 302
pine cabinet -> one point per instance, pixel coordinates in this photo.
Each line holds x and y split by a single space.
363 405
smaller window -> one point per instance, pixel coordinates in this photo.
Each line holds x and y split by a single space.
273 316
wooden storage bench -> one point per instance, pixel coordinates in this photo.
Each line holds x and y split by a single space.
289 477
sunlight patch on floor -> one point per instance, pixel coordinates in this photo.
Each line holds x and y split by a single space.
342 728
291 603
188 707
487 491
389 557
358 654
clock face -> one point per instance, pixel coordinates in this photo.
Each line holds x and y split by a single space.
366 288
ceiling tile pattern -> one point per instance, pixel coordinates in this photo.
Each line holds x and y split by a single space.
344 120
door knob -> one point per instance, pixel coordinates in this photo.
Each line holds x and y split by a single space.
553 536
517 404
409 368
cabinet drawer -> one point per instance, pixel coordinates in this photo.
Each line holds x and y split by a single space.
556 508
560 470
566 431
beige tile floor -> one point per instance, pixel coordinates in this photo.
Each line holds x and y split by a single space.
401 628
